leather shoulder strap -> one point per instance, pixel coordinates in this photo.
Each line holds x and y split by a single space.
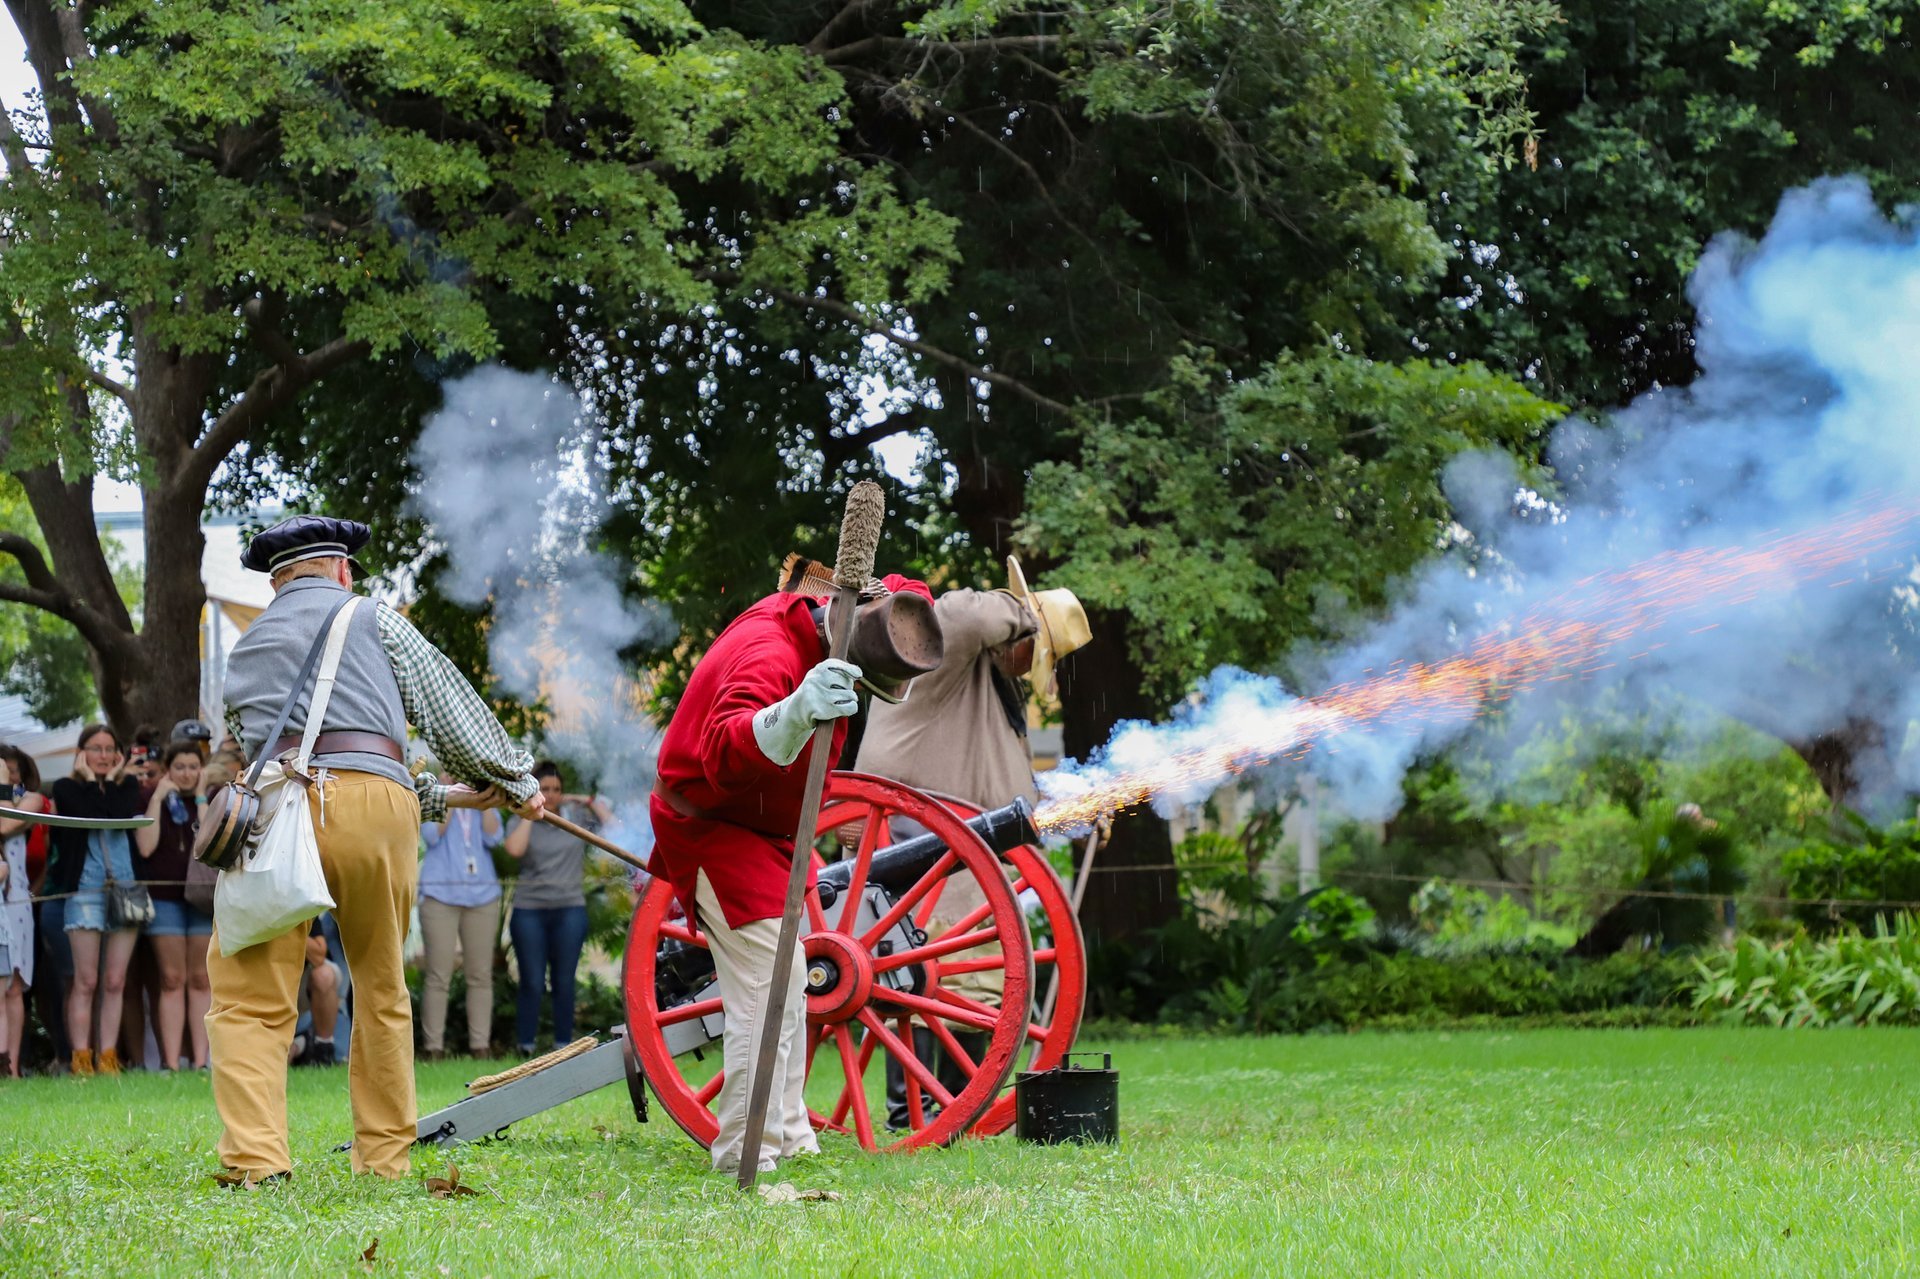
293 695
323 682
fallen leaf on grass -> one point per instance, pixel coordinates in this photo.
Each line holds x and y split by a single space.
372 1248
449 1187
784 1193
1787 1233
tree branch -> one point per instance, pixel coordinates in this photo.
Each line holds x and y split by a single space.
993 378
271 389
823 41
118 390
840 449
987 44
44 592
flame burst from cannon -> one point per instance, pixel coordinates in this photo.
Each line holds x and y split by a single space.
1594 626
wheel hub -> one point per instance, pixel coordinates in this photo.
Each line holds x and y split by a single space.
839 977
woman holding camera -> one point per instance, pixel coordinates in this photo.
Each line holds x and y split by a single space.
179 932
84 862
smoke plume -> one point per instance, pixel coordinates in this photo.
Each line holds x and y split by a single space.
510 484
1742 546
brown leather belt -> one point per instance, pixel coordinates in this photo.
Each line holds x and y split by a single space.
680 804
344 742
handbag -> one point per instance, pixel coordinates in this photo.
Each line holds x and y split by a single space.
233 823
199 888
128 905
279 882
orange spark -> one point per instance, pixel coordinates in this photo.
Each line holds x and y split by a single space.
1554 640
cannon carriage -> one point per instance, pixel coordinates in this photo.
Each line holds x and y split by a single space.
883 962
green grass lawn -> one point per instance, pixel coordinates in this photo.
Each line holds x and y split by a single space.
1539 1153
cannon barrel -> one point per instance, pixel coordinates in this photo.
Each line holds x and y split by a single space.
897 866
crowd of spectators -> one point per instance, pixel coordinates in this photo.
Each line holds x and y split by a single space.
104 933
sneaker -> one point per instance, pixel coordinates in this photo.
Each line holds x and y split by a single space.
82 1064
321 1054
108 1063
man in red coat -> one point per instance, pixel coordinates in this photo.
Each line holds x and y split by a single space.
732 768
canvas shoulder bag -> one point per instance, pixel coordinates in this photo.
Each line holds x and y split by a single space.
232 821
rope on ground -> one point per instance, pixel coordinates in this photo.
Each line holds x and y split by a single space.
487 1083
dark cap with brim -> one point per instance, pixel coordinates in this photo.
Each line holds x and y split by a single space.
305 537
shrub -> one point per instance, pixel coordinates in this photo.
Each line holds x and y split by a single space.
1848 979
1876 865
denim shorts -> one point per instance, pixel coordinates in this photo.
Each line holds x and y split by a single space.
177 919
107 851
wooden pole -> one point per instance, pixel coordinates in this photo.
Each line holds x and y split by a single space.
859 540
581 832
1079 894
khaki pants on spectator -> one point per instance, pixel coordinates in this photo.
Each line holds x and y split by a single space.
466 935
743 962
368 848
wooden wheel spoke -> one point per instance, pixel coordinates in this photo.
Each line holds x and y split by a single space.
1037 1033
961 1056
984 964
680 932
690 1012
968 922
902 1053
931 1008
1046 955
959 1001
916 1110
823 1124
862 861
816 918
855 1096
909 899
934 950
711 1089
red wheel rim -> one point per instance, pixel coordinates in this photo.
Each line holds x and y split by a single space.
879 1022
1065 954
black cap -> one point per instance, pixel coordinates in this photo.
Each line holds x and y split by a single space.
190 730
305 537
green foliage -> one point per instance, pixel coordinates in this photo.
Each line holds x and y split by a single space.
1452 914
1848 979
1225 520
1663 123
1246 977
1838 881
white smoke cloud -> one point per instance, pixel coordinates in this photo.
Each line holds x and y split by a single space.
1806 413
512 488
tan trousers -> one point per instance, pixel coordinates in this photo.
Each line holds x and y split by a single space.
367 847
462 935
743 961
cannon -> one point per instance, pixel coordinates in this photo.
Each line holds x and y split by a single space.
883 961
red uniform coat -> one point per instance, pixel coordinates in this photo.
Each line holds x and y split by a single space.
749 805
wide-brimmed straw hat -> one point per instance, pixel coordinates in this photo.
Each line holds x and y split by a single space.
1063 625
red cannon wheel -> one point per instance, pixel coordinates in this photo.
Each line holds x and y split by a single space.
1064 953
870 995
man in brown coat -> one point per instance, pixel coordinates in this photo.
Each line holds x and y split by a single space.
963 733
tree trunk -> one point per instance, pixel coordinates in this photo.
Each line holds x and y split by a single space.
1848 761
1099 686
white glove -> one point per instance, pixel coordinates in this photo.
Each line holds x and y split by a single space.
825 694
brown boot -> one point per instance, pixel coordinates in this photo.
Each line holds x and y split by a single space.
82 1065
109 1062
